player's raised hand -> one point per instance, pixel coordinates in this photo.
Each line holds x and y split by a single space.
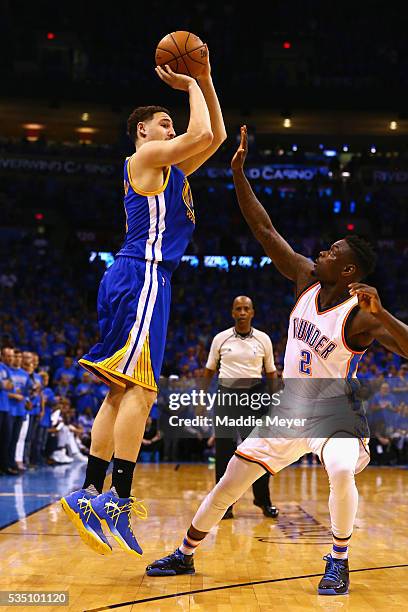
368 298
238 160
174 79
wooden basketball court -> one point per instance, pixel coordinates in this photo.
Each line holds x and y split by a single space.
248 563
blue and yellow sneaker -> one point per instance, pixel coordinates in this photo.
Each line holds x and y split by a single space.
77 505
115 513
172 565
336 577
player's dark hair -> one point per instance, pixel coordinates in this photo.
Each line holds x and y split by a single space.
364 252
142 113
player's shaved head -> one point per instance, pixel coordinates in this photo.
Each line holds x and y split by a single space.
242 299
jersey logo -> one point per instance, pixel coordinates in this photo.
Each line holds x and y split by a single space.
188 200
313 337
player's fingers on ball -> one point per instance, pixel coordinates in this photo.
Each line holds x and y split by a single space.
160 71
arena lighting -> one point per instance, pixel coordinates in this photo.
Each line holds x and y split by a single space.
393 125
294 147
330 152
85 117
373 149
287 44
351 227
39 216
85 134
345 174
86 130
345 148
50 35
32 131
287 123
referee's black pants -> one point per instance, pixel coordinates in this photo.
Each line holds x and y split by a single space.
226 446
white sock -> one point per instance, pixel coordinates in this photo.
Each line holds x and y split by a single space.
340 456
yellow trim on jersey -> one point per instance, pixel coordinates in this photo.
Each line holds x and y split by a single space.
114 376
147 193
112 362
143 368
103 374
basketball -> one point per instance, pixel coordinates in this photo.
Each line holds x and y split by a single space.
184 52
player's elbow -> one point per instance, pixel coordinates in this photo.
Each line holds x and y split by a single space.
201 139
206 138
223 137
218 139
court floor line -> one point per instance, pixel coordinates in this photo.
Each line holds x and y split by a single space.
233 586
22 518
43 535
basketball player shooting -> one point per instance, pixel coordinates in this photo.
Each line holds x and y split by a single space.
335 319
134 301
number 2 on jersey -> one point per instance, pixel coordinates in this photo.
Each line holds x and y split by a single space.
305 365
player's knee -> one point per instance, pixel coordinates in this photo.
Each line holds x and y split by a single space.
141 398
340 478
223 497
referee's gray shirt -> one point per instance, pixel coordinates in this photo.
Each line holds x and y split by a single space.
241 357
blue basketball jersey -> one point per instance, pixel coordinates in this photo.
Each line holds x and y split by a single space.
159 224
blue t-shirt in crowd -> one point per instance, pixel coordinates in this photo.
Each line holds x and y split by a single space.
69 373
84 397
49 399
58 352
399 383
384 400
35 398
4 399
21 384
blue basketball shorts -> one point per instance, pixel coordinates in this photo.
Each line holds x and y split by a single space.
133 312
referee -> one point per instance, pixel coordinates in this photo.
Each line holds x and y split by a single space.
241 353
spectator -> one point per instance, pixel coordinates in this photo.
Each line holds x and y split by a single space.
48 400
6 385
18 400
68 370
151 442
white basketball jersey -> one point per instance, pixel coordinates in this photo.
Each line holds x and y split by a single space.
316 346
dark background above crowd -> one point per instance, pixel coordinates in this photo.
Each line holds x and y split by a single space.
323 52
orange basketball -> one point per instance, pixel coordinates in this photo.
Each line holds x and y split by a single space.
184 52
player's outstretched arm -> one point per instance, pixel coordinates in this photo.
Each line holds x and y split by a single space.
197 138
217 121
374 322
294 266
